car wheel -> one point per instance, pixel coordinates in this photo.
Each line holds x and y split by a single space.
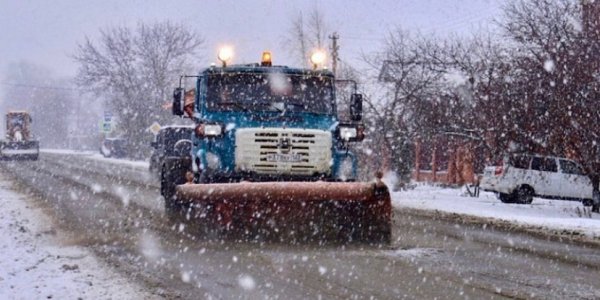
506 198
524 195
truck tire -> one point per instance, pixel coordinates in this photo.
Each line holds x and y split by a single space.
172 174
524 194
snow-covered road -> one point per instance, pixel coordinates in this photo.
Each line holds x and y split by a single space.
38 261
552 215
432 255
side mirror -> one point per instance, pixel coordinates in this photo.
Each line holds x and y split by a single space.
356 107
178 101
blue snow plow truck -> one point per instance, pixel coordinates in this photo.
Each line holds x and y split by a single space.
269 156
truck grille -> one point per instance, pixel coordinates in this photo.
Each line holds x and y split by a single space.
283 151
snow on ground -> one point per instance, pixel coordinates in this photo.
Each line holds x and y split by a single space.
36 264
551 214
97 156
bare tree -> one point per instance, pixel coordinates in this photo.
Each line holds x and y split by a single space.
305 36
135 69
441 88
534 89
398 110
558 80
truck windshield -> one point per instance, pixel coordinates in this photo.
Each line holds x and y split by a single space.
270 92
16 120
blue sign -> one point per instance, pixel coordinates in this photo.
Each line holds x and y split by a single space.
107 116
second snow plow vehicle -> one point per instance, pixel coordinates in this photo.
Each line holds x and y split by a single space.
269 155
19 143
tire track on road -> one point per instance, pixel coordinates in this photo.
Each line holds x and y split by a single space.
466 260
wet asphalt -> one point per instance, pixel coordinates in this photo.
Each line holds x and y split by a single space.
116 211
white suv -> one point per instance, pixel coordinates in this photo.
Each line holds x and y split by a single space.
521 177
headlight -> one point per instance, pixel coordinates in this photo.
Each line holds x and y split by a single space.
348 133
208 130
212 130
351 132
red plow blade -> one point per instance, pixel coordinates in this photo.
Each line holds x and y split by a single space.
297 210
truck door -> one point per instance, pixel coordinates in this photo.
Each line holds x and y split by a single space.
575 183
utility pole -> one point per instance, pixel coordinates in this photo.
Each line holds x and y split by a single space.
334 52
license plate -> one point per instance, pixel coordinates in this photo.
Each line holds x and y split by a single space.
276 157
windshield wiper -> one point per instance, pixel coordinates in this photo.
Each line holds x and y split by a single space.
294 104
271 105
236 104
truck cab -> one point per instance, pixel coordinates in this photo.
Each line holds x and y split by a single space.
259 122
19 143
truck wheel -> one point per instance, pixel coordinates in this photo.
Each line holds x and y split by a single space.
506 198
524 195
167 190
172 174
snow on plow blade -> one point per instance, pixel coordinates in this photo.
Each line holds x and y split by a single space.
28 150
297 210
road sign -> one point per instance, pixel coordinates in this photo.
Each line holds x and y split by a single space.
107 117
154 128
107 127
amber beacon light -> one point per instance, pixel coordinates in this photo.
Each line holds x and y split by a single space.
266 60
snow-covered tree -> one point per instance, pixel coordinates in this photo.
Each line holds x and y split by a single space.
305 35
136 70
557 79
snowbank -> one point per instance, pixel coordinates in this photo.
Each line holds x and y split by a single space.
551 214
35 263
97 156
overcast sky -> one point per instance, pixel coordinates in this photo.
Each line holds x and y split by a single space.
46 32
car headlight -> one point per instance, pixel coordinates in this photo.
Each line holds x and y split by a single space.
351 132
